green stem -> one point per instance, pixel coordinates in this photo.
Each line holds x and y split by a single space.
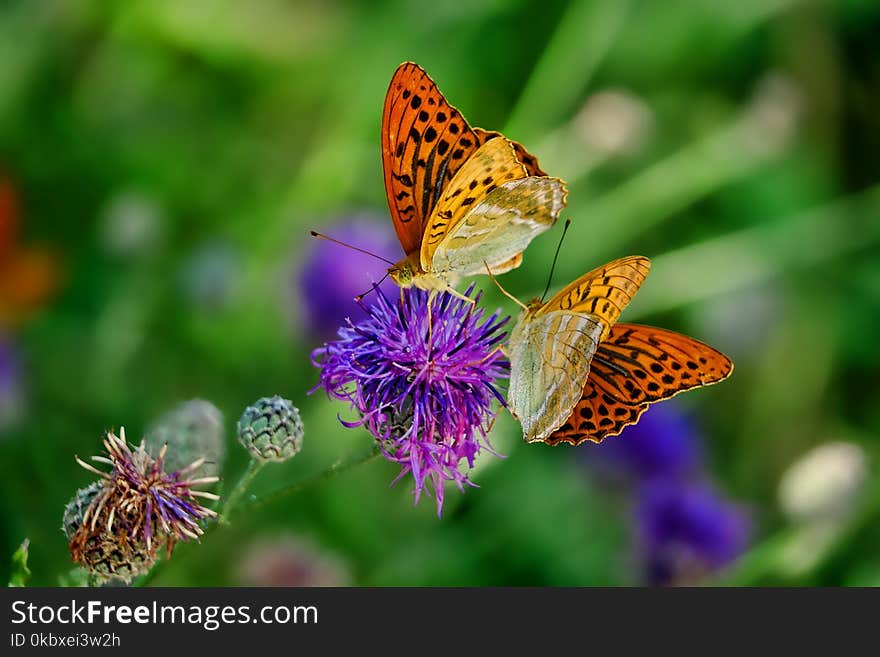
335 469
247 477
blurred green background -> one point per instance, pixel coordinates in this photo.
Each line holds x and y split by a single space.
168 158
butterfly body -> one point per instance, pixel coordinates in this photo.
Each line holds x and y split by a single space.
408 272
460 198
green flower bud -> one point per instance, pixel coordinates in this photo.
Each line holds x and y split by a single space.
271 429
192 430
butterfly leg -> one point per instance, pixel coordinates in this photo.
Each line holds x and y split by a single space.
493 352
501 287
431 296
459 295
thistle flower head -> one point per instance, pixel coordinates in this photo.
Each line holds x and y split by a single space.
76 508
138 502
422 380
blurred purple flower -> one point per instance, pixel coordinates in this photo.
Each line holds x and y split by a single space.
687 530
11 396
332 276
422 382
290 560
665 443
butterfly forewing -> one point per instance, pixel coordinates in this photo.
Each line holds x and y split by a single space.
633 368
424 142
603 292
550 360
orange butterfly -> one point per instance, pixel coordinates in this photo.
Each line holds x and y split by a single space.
461 198
577 375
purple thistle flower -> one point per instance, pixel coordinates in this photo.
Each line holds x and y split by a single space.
422 382
140 501
332 276
687 530
665 443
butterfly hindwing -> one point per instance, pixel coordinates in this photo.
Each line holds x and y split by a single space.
634 367
489 213
550 360
424 142
491 165
507 265
501 227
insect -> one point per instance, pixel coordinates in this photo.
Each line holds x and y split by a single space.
460 197
577 375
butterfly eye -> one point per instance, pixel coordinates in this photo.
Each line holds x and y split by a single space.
402 275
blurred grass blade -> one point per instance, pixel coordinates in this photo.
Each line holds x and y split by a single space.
754 255
585 34
20 571
667 187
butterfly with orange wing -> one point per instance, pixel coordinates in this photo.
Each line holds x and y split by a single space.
578 375
461 198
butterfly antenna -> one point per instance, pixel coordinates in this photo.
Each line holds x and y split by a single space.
503 291
374 287
555 258
315 233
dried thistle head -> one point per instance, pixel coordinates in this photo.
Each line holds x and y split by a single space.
108 555
136 508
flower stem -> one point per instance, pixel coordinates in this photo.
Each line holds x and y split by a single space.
338 467
247 477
